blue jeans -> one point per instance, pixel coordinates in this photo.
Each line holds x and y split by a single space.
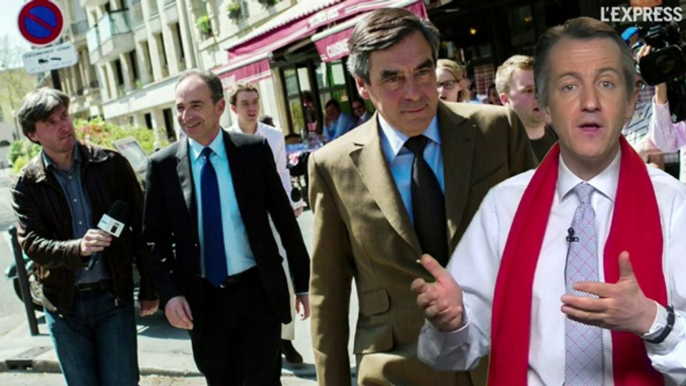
96 344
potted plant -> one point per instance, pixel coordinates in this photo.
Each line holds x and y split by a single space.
234 10
205 25
267 3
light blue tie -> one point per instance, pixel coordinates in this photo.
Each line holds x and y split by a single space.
213 231
583 343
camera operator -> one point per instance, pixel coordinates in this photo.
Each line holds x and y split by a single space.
667 136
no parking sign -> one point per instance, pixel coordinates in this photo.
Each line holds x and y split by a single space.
41 22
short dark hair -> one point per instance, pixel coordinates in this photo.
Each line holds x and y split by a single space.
580 28
210 78
332 102
267 120
358 100
382 29
37 106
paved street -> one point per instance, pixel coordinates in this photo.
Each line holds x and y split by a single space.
48 379
165 356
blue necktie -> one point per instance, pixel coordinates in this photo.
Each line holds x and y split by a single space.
213 232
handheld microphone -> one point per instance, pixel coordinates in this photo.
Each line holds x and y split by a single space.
296 194
113 223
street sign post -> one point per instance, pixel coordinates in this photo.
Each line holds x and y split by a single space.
50 58
41 22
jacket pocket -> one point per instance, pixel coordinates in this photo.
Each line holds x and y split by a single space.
374 302
373 339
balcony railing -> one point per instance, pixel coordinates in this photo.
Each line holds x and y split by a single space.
79 28
113 23
93 39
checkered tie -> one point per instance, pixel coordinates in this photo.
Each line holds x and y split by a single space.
583 343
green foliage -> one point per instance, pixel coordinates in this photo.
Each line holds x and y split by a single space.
205 25
234 10
101 133
267 3
18 164
22 148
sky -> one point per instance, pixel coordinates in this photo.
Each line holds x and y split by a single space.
8 24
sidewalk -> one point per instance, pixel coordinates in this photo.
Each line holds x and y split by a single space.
162 349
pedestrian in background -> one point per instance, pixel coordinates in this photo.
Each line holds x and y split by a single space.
244 101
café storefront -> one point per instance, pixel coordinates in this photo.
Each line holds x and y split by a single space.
299 58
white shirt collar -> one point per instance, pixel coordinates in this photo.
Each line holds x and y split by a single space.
397 139
259 131
605 182
217 146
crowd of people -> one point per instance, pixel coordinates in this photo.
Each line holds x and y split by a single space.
519 242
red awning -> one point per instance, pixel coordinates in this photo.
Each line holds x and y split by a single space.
332 44
247 55
249 73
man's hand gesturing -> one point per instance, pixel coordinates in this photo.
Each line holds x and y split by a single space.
441 301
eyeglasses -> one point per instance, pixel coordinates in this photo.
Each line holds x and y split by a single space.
448 84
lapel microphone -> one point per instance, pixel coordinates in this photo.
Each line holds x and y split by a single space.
570 236
113 223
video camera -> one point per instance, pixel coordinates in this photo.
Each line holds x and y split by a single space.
666 62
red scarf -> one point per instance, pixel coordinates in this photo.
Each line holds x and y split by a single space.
635 228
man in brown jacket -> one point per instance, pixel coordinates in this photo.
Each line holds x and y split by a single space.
378 206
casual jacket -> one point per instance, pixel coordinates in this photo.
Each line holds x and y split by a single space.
45 229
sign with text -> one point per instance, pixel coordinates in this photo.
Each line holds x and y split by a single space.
51 58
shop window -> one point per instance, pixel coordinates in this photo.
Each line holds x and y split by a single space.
331 82
293 97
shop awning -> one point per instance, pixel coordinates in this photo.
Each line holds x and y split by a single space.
254 70
246 55
332 44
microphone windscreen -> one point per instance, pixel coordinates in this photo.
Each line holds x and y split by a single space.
118 211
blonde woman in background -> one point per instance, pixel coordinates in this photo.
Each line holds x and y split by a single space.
449 81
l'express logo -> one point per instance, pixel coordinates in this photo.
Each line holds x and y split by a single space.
641 14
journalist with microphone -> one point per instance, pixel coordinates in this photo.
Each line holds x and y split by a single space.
58 197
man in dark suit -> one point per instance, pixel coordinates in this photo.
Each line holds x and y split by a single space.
406 182
207 209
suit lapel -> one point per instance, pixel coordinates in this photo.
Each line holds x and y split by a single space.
237 168
376 175
457 146
183 169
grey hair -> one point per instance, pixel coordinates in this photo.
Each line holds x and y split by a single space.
580 28
37 106
210 78
380 30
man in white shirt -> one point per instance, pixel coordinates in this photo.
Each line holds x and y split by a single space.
514 81
244 100
599 302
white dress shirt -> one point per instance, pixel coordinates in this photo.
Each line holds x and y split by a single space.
277 143
476 261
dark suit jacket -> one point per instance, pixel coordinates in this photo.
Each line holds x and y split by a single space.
362 231
170 222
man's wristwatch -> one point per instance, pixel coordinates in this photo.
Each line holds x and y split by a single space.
671 317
